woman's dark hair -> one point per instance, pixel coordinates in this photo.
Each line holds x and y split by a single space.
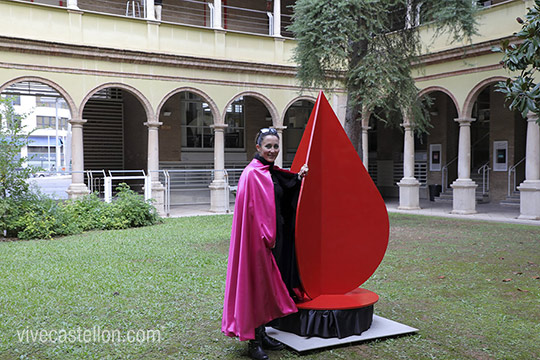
264 132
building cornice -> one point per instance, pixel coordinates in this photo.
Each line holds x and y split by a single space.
48 48
138 75
464 52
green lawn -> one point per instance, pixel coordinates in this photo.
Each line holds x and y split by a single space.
440 275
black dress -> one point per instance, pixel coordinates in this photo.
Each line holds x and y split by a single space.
286 191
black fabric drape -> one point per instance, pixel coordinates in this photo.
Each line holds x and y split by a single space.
286 191
326 323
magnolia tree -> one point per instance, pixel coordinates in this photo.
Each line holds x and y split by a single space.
523 91
371 47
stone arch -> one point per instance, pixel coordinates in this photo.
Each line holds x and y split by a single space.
213 107
471 97
150 115
266 101
299 98
69 100
431 89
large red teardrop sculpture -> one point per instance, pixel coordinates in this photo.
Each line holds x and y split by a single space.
342 223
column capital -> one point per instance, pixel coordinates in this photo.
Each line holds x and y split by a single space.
153 124
407 125
280 128
531 116
366 128
219 127
77 122
464 121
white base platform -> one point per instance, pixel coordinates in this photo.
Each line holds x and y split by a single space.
380 328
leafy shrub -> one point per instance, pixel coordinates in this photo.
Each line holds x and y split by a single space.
132 208
33 215
88 211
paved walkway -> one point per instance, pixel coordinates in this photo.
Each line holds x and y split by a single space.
488 212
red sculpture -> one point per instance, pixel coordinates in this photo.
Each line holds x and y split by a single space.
342 224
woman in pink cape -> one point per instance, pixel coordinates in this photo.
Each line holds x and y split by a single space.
255 291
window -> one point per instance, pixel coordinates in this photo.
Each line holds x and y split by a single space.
195 120
235 120
49 122
296 120
48 101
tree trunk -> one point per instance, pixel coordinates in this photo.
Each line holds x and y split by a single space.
353 115
353 123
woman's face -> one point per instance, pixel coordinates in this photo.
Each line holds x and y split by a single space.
269 148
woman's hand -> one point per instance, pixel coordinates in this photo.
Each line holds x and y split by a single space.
303 171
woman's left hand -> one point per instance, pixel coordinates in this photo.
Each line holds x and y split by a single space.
303 171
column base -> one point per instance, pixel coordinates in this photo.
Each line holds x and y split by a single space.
158 195
464 199
409 194
75 191
529 200
219 196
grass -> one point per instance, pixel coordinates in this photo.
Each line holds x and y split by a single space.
440 275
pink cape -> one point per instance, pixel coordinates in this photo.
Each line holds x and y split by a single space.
254 293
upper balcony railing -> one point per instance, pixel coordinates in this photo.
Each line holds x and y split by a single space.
122 24
256 17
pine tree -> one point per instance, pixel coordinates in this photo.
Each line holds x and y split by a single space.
371 46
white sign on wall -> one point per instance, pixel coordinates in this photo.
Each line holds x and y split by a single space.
435 157
500 155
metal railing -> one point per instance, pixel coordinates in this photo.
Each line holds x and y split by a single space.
189 12
192 186
512 171
484 170
186 186
108 180
420 172
95 183
444 174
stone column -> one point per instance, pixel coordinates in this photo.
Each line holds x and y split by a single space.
464 198
72 4
217 15
409 187
158 190
219 192
78 187
277 18
365 146
529 190
279 159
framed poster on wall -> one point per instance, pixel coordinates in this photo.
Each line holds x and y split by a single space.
435 157
500 155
